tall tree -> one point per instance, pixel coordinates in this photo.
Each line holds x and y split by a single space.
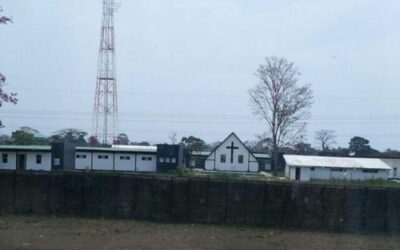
325 138
24 136
360 147
4 96
122 139
281 102
193 143
71 135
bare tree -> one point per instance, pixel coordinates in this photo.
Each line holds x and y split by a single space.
172 137
325 138
281 102
5 97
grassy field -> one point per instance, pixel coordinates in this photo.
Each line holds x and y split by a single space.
71 233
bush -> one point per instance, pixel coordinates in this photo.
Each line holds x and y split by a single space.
184 172
227 176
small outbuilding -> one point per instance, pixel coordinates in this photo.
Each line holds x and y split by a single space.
305 168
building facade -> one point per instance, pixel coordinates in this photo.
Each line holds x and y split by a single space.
306 168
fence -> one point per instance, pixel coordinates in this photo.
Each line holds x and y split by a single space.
277 205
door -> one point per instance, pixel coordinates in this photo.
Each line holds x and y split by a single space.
298 174
21 162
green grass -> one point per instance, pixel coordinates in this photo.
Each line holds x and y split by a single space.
367 183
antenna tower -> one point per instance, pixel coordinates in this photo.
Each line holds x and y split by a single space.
105 115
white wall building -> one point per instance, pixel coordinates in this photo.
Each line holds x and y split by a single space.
232 155
131 158
305 168
25 158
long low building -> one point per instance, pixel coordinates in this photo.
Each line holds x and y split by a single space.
60 156
231 155
305 168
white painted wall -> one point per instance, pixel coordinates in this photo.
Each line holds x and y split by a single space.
103 164
124 165
83 163
31 161
328 174
146 165
250 163
395 165
11 161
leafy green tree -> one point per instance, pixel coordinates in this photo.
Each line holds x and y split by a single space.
360 147
193 143
122 139
24 136
71 135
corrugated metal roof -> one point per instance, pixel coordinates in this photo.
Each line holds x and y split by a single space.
260 155
142 149
201 153
334 162
26 147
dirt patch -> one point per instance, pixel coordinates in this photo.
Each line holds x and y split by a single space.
71 233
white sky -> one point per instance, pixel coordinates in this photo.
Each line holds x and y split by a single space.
186 65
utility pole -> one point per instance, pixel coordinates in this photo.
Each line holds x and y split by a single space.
105 114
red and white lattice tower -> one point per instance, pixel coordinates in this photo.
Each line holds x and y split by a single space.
105 115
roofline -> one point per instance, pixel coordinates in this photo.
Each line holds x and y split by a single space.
233 133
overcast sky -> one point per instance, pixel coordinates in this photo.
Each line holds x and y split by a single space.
187 65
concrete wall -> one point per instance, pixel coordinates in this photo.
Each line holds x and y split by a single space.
11 161
31 164
273 205
100 163
82 163
125 162
146 163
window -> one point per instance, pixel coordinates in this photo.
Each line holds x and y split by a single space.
240 159
337 169
38 159
125 158
168 160
5 158
162 159
81 156
144 158
173 160
370 170
102 156
312 168
223 158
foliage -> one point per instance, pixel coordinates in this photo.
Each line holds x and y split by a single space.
281 102
326 138
193 143
5 97
184 172
360 147
71 135
227 175
24 136
262 144
122 139
362 183
93 142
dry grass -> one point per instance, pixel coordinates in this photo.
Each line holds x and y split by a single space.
71 233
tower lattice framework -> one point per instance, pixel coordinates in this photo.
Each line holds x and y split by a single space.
105 115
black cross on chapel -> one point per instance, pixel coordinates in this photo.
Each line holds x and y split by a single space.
232 148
